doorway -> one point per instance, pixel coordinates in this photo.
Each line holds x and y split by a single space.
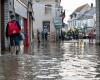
2 26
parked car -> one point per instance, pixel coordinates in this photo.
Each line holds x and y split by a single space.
68 37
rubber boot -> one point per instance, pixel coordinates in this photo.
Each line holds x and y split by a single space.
17 50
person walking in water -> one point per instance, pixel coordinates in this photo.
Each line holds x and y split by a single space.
13 33
90 37
38 36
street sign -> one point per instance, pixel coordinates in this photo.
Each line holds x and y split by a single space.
58 22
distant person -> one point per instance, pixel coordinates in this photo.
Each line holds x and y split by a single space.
46 34
13 32
38 36
90 35
63 34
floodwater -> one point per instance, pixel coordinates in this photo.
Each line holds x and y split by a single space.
53 61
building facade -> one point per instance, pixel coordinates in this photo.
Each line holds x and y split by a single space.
75 21
84 21
98 22
0 27
6 10
20 9
23 13
45 12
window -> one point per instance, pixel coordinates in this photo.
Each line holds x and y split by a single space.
48 9
75 15
71 16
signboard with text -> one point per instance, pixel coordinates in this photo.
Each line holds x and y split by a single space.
58 22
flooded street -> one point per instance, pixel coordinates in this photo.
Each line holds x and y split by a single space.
53 61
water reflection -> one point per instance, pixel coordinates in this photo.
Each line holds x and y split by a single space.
53 61
8 68
98 62
80 63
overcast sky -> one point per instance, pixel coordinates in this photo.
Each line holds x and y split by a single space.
71 5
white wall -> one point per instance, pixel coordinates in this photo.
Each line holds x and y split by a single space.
91 22
39 15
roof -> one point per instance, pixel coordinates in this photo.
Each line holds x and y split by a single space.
89 14
80 8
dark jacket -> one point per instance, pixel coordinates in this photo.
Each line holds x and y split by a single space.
8 26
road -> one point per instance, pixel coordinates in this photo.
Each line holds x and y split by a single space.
53 61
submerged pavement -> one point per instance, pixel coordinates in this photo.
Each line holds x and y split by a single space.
53 61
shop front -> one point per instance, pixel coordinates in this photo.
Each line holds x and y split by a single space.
21 16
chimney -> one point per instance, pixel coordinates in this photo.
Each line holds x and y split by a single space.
91 5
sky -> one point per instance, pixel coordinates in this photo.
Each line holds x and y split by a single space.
71 5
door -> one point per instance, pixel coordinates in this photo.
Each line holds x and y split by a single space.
46 26
2 26
26 42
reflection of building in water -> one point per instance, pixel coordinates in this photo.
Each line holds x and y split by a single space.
79 48
7 70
